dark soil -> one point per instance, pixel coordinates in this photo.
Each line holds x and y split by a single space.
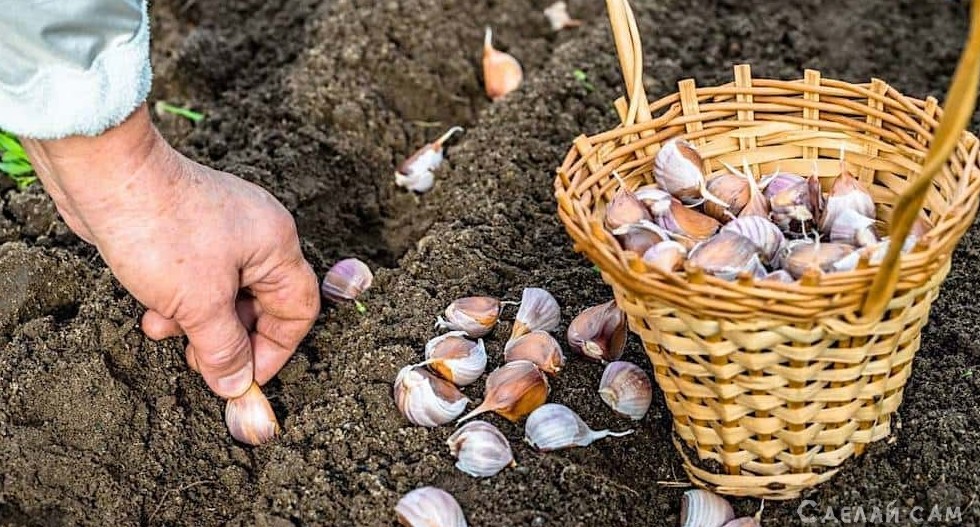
317 101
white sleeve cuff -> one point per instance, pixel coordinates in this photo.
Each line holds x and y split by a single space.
61 99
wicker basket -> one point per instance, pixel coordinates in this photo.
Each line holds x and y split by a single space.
773 387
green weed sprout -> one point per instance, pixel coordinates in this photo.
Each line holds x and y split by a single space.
162 107
14 161
583 79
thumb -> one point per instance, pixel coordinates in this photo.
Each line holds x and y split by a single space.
223 352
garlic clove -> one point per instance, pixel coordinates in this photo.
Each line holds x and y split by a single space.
558 18
599 332
668 256
625 209
556 426
805 254
250 418
780 275
920 227
763 233
538 347
757 205
779 181
851 227
474 315
730 188
678 169
480 449
656 200
846 194
346 280
456 358
427 400
502 73
513 391
626 389
747 521
688 223
429 507
539 311
638 237
727 255
700 508
415 173
796 209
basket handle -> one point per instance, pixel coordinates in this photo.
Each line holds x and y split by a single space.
630 51
960 102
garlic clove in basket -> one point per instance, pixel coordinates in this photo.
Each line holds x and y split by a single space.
667 255
678 169
625 209
920 227
727 255
757 205
846 194
513 391
429 507
688 223
805 254
456 358
764 234
796 209
558 18
474 315
747 521
539 311
656 199
731 188
638 237
777 182
480 449
853 228
779 275
415 173
626 389
701 508
502 73
538 347
556 426
250 418
599 332
427 400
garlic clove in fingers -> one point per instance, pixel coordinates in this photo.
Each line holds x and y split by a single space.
347 280
250 418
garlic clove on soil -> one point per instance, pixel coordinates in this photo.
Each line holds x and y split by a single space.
538 347
480 449
555 426
513 391
250 418
701 508
474 315
502 73
626 389
668 256
599 332
427 400
347 280
539 311
678 169
456 358
727 255
558 18
429 507
415 173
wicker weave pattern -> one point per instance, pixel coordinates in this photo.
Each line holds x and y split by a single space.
774 386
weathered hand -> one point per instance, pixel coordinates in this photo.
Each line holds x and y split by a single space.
210 255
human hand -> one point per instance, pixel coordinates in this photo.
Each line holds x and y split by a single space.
210 255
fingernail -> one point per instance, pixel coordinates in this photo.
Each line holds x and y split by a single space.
235 384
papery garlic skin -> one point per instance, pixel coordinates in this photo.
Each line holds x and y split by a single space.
687 223
779 275
846 194
513 391
731 188
250 418
456 358
474 315
599 332
502 73
668 256
626 389
346 280
429 507
797 209
427 400
555 426
700 508
480 449
656 199
539 311
777 182
540 348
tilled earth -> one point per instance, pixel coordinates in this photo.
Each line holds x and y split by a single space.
317 100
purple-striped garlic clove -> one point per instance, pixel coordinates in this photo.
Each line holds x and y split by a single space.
429 507
250 418
513 391
599 332
540 348
555 427
456 358
731 188
480 449
747 521
688 224
625 209
539 311
701 508
763 233
474 315
626 389
796 209
427 400
777 182
678 169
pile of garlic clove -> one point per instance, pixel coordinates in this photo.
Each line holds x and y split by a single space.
702 508
732 225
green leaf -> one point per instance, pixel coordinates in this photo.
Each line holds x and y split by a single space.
9 143
165 107
583 79
23 181
16 168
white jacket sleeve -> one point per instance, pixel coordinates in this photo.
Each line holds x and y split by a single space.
71 67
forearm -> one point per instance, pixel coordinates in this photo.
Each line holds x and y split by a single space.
75 67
